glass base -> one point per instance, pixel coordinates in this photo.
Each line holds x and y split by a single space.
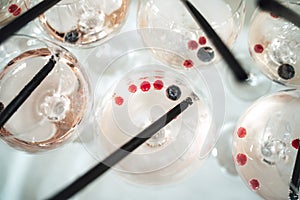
223 149
256 86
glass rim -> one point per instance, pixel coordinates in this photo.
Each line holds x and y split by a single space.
234 12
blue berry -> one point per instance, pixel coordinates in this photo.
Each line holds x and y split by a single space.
173 92
72 36
286 71
206 54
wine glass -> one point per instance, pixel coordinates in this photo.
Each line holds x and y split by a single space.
55 111
265 143
84 23
9 9
274 44
196 48
133 90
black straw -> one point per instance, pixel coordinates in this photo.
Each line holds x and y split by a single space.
25 18
122 152
279 10
14 105
239 72
295 181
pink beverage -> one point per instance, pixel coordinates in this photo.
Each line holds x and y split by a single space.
196 48
83 22
51 115
274 43
137 100
265 144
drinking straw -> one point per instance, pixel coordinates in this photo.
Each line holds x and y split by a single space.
14 105
280 10
19 22
240 74
295 181
122 152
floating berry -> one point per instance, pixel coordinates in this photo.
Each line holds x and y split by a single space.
17 12
242 132
173 92
254 184
273 15
132 88
119 100
202 40
206 54
145 86
188 63
286 71
258 48
241 159
295 143
158 85
12 8
72 36
192 45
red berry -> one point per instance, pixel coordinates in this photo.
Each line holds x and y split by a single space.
258 48
188 63
17 12
132 88
254 184
295 143
273 15
241 132
145 86
12 8
202 40
119 100
241 159
158 85
192 45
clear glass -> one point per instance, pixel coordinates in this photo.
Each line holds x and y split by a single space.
59 106
274 44
255 86
134 89
265 143
196 48
9 9
223 149
84 23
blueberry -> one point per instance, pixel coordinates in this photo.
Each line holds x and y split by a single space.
173 92
206 54
72 36
286 71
